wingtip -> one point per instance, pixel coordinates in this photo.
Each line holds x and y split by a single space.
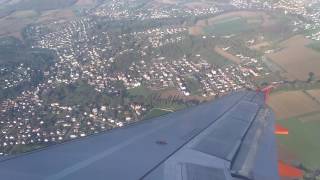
266 91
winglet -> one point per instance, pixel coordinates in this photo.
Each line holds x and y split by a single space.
286 170
266 91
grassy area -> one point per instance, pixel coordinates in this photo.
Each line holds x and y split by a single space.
172 106
25 148
297 86
213 57
163 109
229 26
155 113
193 85
303 139
140 91
81 94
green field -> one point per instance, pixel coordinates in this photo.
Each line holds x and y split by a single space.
213 57
193 85
303 138
227 26
171 106
297 86
155 113
163 109
140 91
26 148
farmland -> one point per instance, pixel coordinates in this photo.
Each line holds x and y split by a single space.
292 103
302 138
300 114
296 59
230 42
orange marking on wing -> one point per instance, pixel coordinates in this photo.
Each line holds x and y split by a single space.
281 130
286 170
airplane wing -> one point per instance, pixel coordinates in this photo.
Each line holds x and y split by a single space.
231 138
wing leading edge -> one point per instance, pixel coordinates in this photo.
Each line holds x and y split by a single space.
228 139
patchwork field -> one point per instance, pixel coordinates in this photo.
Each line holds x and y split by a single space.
300 114
291 104
296 59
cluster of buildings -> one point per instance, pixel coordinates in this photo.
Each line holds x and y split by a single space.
129 10
28 120
308 11
164 73
159 37
314 26
87 51
10 78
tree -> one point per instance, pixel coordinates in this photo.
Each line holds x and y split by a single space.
311 77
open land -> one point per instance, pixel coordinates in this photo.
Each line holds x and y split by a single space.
300 114
302 140
227 55
179 57
229 23
296 59
292 103
85 2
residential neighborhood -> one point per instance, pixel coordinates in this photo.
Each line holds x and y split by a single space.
106 53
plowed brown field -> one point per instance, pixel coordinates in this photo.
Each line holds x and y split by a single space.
296 59
291 104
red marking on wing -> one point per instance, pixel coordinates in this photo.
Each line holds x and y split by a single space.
266 91
280 130
286 170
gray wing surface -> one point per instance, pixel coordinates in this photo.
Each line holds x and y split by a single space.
228 139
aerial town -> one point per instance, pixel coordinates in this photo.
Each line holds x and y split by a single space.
107 53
